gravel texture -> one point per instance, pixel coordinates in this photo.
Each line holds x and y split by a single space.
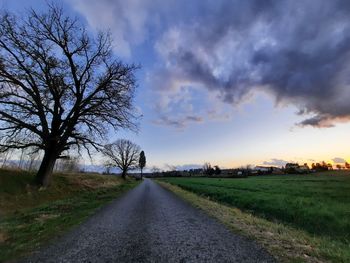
151 224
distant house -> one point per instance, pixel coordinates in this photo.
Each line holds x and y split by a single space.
304 167
263 169
267 170
292 166
232 173
277 170
296 168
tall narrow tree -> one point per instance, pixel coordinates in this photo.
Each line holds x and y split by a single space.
142 161
59 87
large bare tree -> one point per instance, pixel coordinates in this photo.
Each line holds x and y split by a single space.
59 86
123 154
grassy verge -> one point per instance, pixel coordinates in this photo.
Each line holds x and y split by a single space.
33 216
286 243
317 203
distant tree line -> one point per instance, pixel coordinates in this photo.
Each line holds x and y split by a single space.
215 171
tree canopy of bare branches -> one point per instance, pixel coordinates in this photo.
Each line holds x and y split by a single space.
123 154
59 86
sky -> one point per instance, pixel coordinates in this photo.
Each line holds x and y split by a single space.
230 82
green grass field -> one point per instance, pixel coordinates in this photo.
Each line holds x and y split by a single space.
31 216
316 203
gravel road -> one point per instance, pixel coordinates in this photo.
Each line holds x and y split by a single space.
151 224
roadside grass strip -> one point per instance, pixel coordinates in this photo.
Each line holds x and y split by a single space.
284 242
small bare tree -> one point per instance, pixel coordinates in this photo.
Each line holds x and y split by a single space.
59 87
208 169
32 159
5 156
124 154
155 171
108 167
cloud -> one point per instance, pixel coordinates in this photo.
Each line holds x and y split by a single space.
275 162
338 160
128 21
179 123
297 51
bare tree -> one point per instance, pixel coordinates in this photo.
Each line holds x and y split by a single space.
108 166
60 87
217 170
155 171
32 159
124 154
208 169
21 158
5 156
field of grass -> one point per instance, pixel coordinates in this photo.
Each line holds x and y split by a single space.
318 204
30 216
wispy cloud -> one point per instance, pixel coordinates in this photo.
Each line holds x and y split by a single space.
179 123
275 162
338 160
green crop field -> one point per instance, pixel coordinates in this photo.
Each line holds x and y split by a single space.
316 203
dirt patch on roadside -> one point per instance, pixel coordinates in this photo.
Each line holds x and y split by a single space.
43 217
93 182
3 237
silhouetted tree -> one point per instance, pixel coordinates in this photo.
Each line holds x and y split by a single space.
347 165
208 169
155 169
60 88
313 166
124 154
320 166
217 170
108 166
142 161
329 166
5 156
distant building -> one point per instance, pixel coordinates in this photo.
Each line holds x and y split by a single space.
259 169
295 168
264 169
292 166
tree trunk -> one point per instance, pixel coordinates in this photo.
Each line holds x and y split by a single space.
43 177
124 174
141 173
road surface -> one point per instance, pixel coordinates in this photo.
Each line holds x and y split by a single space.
151 224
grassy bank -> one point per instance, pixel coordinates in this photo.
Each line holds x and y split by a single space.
30 215
317 205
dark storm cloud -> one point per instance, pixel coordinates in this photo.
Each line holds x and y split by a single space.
297 50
